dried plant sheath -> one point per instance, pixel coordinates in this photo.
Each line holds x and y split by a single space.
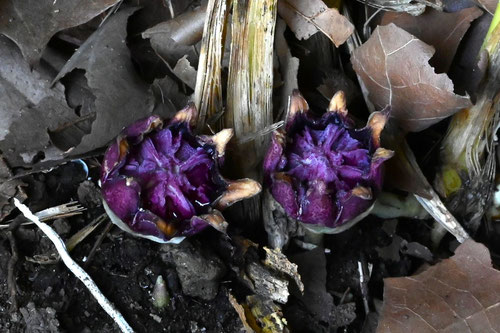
322 171
163 183
208 91
466 175
250 84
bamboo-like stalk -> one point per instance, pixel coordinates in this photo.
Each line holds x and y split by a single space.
467 170
249 89
208 90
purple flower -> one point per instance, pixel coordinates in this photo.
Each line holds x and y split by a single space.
163 183
321 170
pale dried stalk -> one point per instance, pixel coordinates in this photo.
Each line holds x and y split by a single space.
250 84
75 268
440 213
208 90
468 156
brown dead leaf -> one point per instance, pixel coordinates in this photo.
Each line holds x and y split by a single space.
175 38
185 72
460 294
306 18
393 65
289 65
442 30
121 97
31 23
9 189
30 109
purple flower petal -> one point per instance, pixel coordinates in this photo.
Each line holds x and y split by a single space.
161 184
122 196
135 131
147 223
321 169
318 205
352 206
282 190
274 159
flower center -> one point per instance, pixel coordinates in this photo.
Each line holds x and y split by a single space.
330 155
175 174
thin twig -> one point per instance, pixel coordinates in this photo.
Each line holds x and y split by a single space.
65 210
98 243
75 268
363 286
11 272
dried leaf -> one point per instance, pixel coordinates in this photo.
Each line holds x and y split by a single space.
460 294
306 18
185 72
32 23
289 66
394 66
442 30
121 97
185 29
175 38
168 98
9 189
30 108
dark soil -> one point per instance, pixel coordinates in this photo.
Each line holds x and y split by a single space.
51 299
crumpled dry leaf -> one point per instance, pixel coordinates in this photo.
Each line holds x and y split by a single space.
289 65
9 189
442 30
394 66
121 97
168 98
30 109
306 18
174 38
32 23
460 294
185 72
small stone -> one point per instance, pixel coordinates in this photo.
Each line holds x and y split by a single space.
198 269
88 194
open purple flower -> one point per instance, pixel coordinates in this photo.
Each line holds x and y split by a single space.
163 183
322 171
